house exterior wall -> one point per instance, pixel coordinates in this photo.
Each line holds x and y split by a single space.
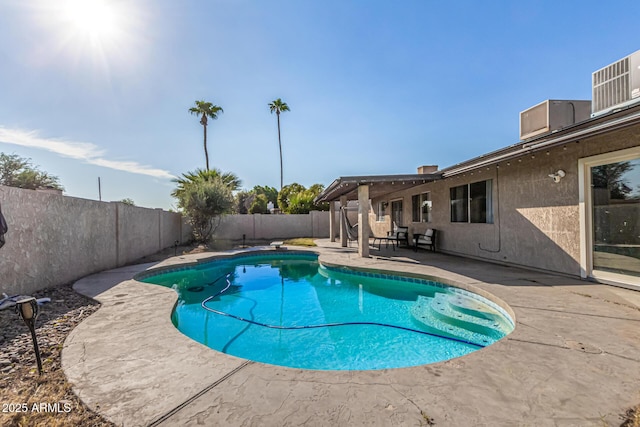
55 239
535 221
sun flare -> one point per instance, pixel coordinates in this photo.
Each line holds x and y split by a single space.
95 18
108 36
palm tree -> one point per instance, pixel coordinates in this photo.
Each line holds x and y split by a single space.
279 106
229 179
206 110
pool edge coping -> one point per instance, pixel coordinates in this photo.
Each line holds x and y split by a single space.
503 306
405 376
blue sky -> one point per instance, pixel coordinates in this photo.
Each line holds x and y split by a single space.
374 87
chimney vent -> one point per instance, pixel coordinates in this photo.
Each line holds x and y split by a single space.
427 169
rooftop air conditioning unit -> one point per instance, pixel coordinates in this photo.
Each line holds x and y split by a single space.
552 115
616 85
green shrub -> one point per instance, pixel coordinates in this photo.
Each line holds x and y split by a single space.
259 204
204 203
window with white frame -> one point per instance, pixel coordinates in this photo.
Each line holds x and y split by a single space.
472 202
421 207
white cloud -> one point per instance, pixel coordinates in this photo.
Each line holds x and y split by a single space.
87 152
131 167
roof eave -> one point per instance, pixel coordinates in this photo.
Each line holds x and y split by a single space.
593 127
339 186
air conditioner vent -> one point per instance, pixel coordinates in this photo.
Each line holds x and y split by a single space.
616 85
534 120
552 115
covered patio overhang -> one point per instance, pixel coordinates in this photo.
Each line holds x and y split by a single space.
362 189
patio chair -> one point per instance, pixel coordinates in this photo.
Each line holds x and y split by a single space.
428 239
386 239
399 235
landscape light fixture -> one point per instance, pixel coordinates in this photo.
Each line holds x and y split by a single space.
29 310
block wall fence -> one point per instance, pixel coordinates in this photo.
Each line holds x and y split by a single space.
55 239
264 227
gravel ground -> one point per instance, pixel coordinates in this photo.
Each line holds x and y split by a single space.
29 399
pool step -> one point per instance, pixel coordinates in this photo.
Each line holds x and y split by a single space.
444 310
464 304
434 321
472 307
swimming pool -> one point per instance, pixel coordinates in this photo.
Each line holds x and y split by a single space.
284 308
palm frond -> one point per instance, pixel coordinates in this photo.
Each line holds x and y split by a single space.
277 106
206 109
229 179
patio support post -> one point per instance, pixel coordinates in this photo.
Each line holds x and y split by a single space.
343 225
332 221
363 221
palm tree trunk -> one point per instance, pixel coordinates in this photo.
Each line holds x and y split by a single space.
280 145
206 154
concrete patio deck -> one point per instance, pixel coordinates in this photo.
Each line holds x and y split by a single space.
573 359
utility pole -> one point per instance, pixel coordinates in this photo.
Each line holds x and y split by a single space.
99 190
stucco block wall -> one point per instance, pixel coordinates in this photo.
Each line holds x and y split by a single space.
54 239
147 230
173 227
264 227
536 221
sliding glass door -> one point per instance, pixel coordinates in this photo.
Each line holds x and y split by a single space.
615 196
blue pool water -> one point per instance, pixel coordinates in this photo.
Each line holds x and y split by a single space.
286 309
